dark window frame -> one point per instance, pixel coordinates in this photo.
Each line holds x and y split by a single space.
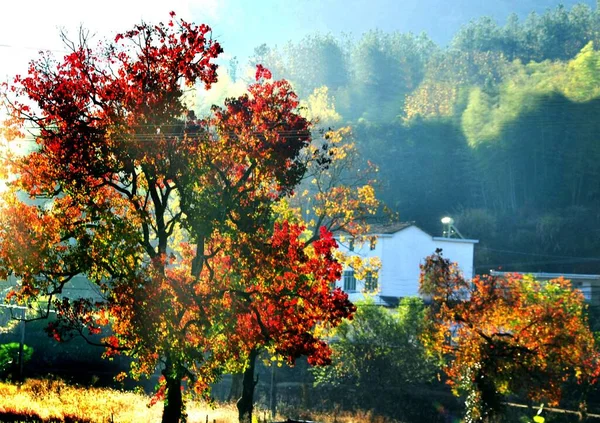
371 281
349 281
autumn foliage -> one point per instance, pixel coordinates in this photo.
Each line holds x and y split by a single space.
338 193
506 335
174 217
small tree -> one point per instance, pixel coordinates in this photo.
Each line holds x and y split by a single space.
336 195
511 335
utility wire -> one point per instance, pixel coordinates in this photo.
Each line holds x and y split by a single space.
166 137
559 259
524 263
537 254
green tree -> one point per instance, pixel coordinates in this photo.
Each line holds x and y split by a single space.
313 62
557 34
385 68
379 354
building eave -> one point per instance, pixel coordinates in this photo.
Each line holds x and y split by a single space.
459 240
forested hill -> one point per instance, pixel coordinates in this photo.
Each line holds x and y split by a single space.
440 18
501 129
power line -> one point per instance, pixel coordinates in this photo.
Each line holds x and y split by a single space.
167 137
524 263
537 254
559 259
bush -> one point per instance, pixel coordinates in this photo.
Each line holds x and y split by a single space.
75 360
9 359
379 364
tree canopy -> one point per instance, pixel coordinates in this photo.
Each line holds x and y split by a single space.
506 335
172 216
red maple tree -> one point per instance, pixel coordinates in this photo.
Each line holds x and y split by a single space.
171 216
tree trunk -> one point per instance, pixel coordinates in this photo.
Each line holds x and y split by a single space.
245 404
173 408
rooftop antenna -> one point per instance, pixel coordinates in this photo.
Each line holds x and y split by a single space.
450 230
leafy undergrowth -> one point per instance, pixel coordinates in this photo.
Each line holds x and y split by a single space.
55 401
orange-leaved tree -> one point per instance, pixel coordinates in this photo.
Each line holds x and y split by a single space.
506 335
171 216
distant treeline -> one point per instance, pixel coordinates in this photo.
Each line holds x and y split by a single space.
501 129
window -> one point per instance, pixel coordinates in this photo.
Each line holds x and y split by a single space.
351 245
373 242
371 281
349 281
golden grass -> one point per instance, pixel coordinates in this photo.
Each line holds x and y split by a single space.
57 401
54 400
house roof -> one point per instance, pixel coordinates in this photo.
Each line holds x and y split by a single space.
395 227
392 228
389 228
458 240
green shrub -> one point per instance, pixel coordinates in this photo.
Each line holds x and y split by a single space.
9 358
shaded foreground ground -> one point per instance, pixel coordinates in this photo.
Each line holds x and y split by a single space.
41 400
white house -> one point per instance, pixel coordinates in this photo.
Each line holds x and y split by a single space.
402 247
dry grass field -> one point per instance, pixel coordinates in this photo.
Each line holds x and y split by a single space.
55 401
51 400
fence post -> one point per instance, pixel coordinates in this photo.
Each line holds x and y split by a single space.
272 404
22 345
